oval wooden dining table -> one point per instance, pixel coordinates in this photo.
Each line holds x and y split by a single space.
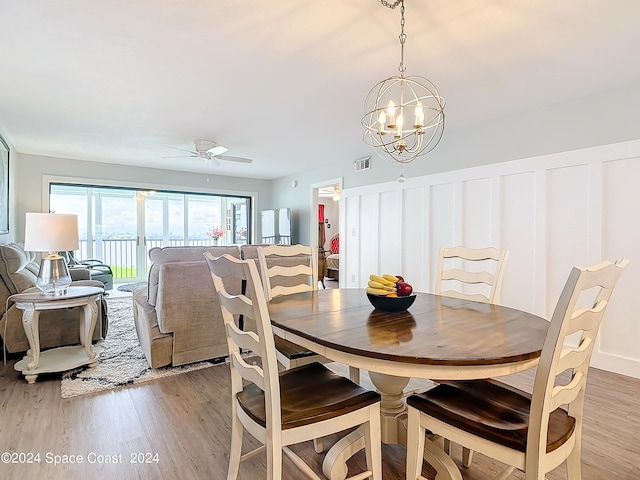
438 338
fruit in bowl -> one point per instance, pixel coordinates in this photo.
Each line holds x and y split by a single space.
404 289
391 304
390 293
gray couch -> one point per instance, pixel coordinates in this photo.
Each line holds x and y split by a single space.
177 314
18 273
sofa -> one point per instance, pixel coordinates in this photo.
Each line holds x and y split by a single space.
177 313
97 270
18 273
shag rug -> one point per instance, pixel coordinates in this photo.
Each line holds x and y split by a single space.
122 361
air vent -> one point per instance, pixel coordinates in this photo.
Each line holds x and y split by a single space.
363 163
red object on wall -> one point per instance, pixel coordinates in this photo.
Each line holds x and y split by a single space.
334 245
321 233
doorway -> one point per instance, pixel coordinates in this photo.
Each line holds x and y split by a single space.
325 226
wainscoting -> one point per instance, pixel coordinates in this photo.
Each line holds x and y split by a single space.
551 212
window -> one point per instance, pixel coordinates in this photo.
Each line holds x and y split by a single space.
119 226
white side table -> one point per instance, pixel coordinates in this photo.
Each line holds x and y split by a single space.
58 359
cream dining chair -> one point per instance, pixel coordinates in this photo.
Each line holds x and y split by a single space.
297 405
470 274
299 272
533 433
296 271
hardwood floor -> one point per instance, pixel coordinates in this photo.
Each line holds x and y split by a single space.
329 283
179 428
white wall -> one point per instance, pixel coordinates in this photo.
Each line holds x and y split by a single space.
552 212
607 118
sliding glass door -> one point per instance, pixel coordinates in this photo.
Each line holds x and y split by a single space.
119 226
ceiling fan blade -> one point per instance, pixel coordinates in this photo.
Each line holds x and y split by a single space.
218 150
214 160
183 156
229 158
182 149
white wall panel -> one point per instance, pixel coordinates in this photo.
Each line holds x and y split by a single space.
349 242
567 200
551 212
415 251
621 235
518 234
390 257
477 212
443 229
370 233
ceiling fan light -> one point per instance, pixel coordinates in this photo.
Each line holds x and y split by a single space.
204 145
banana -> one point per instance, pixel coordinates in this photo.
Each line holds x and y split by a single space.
377 291
390 278
380 286
383 281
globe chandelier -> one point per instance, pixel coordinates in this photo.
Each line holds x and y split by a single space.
404 115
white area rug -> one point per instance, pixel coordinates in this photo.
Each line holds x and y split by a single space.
122 361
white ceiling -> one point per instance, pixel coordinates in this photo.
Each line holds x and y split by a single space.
283 81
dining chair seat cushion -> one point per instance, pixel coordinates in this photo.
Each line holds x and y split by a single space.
309 394
491 410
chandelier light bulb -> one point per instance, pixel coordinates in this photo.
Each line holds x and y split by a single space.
391 109
382 119
400 124
419 115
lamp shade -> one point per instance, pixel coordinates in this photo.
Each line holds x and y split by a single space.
51 232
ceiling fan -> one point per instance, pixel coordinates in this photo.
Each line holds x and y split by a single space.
210 150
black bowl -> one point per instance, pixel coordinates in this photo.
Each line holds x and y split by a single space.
391 304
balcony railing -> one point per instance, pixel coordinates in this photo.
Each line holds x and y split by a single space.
121 254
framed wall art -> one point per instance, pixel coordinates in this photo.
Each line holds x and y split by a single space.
4 186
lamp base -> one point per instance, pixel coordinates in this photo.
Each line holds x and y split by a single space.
54 277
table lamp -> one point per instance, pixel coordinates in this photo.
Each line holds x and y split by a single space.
52 233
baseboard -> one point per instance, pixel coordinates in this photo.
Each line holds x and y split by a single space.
616 364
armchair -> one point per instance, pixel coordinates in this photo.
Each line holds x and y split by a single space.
97 270
18 273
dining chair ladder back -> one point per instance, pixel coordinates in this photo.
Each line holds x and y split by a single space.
283 408
297 268
294 271
476 272
531 432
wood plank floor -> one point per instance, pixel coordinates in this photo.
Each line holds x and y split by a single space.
179 428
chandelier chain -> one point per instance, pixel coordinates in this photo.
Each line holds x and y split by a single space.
391 5
403 38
